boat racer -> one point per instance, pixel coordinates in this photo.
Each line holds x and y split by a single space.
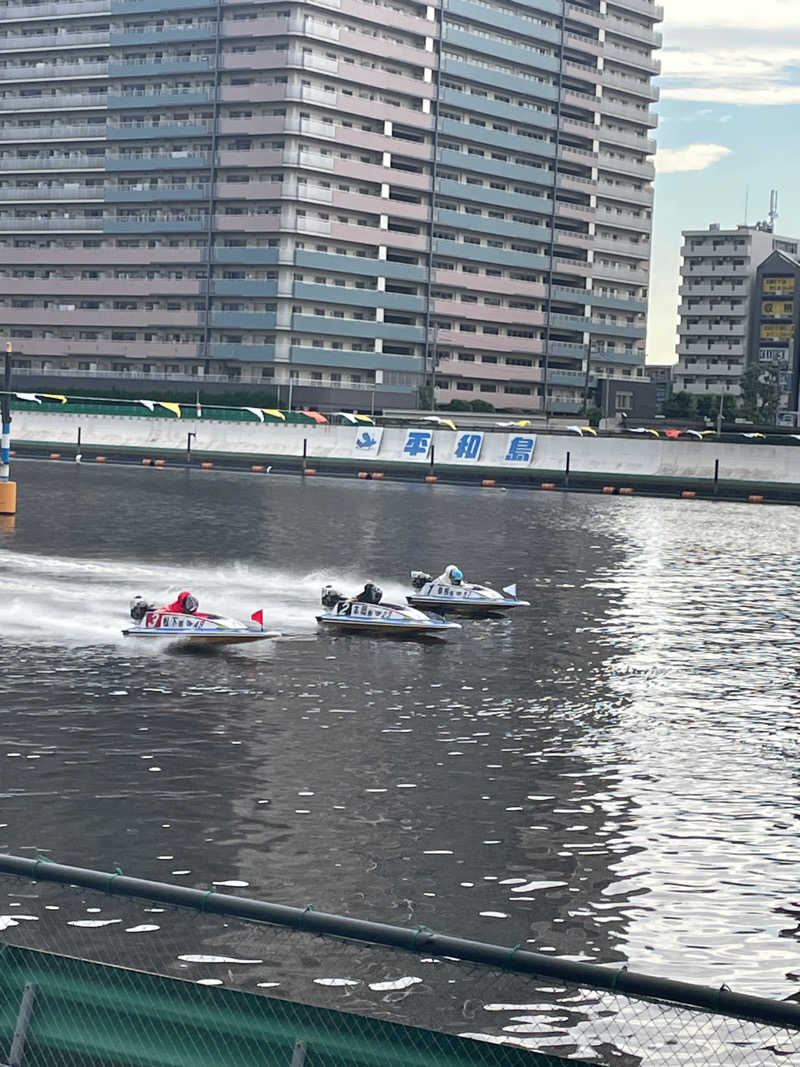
452 575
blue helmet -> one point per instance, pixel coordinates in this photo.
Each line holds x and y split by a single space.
455 574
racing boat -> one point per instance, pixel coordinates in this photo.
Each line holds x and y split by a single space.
466 598
181 623
365 612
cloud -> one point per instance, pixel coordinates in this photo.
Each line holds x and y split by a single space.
719 52
690 157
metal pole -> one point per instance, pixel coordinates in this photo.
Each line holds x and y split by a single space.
23 1022
721 1001
189 437
433 456
305 451
719 414
291 384
716 476
566 473
78 447
5 408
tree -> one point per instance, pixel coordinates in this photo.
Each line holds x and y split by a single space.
760 392
708 406
680 406
458 405
482 405
594 415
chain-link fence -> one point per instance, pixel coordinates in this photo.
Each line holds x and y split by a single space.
256 993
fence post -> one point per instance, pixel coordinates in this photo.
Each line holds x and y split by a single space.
566 473
716 476
78 455
433 456
305 451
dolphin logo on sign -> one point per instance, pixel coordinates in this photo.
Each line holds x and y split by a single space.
368 442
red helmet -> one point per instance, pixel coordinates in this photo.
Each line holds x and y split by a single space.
187 602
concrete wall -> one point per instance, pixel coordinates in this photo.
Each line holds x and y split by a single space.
589 455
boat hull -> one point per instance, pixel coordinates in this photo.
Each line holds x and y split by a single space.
388 626
465 606
199 638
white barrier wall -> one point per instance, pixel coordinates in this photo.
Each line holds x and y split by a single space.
496 448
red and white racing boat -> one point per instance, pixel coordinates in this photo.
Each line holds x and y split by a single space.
181 622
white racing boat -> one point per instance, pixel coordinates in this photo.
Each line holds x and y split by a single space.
181 623
365 612
464 598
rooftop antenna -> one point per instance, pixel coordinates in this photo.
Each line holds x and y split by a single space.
773 209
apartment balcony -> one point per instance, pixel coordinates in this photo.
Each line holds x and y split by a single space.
732 350
62 9
143 131
627 138
115 194
72 290
621 272
106 255
718 308
144 98
493 372
634 30
343 358
630 57
52 133
21 43
625 193
610 356
483 283
40 223
103 318
243 320
77 162
634 86
735 330
70 193
60 71
698 269
731 369
643 169
146 350
631 112
157 223
625 220
151 162
606 243
166 34
581 43
643 7
145 68
53 102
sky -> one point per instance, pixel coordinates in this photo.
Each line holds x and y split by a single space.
729 125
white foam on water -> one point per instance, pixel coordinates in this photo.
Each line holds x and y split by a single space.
6 921
233 884
93 922
337 981
397 983
145 928
215 959
85 602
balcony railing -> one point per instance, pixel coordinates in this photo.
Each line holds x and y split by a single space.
63 9
47 163
41 71
52 101
50 223
33 42
77 192
43 133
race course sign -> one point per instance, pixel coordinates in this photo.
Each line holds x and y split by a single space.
367 441
417 445
519 449
467 447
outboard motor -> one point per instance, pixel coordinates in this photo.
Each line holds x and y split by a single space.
139 608
371 594
419 578
330 597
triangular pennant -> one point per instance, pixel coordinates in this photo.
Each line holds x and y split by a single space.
55 396
257 412
170 406
347 415
30 397
149 404
274 413
510 590
365 418
448 422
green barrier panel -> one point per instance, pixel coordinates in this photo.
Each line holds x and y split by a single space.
93 1015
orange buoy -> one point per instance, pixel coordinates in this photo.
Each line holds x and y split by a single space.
377 475
609 489
146 462
257 467
626 491
159 463
206 466
55 455
755 499
688 494
310 470
100 459
488 483
431 478
548 485
363 474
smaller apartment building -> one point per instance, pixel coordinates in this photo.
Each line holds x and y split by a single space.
717 279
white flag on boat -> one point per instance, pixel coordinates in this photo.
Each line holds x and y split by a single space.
510 590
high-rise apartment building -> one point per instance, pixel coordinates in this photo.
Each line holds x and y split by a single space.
338 195
717 278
